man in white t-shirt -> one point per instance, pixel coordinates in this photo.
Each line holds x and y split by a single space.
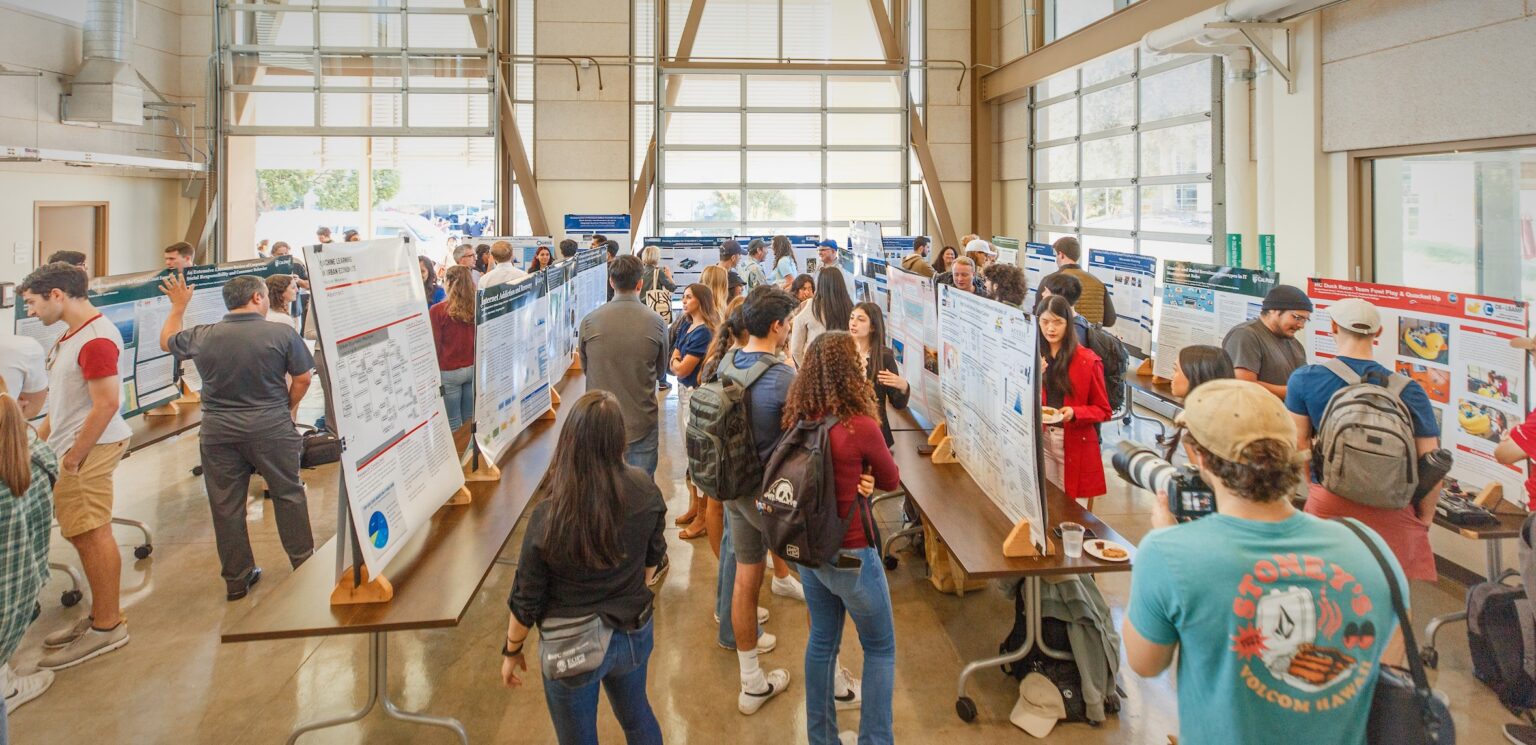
88 434
25 373
504 270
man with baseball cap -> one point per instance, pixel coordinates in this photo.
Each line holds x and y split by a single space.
1279 618
1356 324
826 253
1265 350
730 255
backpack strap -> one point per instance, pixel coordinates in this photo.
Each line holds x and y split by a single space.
749 377
53 475
1347 373
1415 665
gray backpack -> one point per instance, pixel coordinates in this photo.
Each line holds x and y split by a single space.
1364 450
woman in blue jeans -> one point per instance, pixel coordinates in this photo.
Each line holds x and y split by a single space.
453 332
593 541
832 382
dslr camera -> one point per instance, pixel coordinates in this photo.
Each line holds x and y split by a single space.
1189 497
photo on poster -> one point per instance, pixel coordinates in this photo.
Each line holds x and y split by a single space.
900 350
1481 420
1424 339
931 360
1435 382
1193 298
1491 384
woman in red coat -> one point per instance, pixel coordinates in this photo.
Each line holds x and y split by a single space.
1072 391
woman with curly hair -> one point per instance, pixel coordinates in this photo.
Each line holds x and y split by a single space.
832 383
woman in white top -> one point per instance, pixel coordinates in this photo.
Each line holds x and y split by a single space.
281 292
828 311
784 265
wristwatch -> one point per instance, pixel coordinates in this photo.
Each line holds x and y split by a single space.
508 651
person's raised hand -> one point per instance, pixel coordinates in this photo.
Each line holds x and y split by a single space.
1162 517
892 380
175 287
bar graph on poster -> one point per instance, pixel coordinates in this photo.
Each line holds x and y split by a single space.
398 462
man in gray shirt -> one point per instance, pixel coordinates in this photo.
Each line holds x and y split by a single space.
1265 350
623 349
254 374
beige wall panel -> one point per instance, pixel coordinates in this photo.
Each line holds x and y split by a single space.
1010 41
581 160
557 82
954 163
157 28
944 44
949 14
581 38
1006 11
583 11
196 35
142 215
581 120
1015 120
36 43
958 196
1364 26
1451 88
577 197
1014 216
1013 160
949 124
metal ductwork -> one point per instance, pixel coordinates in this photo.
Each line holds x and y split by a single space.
106 89
1193 35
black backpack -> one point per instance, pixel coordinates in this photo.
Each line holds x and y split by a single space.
1112 352
1501 632
722 456
798 500
1063 673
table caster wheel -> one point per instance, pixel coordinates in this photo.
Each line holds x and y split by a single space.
70 598
143 552
966 708
1430 657
891 563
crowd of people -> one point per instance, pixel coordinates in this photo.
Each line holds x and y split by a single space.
799 353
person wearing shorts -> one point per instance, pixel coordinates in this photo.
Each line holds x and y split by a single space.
89 435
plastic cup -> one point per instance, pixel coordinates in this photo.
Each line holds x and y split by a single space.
1072 540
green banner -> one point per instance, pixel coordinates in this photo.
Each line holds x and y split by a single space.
1234 249
1267 252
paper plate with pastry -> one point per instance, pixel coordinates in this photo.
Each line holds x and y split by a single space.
1049 415
1106 550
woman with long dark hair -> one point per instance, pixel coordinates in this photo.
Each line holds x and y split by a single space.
690 345
784 264
828 311
867 326
453 331
1072 391
1200 363
944 260
435 291
832 383
542 259
594 540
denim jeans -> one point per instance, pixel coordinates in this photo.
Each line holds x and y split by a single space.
642 452
864 594
573 701
459 395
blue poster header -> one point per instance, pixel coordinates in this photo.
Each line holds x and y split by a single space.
596 223
1120 262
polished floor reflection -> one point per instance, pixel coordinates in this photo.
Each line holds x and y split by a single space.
175 683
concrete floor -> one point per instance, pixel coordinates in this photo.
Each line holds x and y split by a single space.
175 683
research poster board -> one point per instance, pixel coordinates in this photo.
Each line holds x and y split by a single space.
581 228
512 370
865 238
687 256
987 364
896 247
1039 262
1007 249
870 283
591 282
558 283
804 247
524 248
135 304
913 328
1457 347
1129 280
1201 303
398 462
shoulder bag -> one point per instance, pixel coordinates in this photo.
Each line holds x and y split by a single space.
572 646
659 298
1404 709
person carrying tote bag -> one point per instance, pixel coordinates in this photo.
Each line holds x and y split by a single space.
593 542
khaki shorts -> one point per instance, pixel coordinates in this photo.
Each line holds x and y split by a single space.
82 501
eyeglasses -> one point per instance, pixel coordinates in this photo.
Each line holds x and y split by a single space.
1299 317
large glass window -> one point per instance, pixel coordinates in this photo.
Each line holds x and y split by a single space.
1459 221
783 152
1063 17
1125 152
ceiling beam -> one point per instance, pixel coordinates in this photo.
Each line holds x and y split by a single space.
522 170
1116 31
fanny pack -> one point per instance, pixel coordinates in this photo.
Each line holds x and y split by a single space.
572 646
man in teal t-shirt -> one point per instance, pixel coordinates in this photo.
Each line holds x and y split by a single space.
1279 618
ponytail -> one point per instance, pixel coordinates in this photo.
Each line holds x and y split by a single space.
15 453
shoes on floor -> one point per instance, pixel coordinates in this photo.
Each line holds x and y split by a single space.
1520 734
848 737
766 643
748 703
250 582
89 645
788 587
847 691
762 615
61 638
19 689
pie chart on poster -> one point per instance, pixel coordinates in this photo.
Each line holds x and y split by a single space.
378 530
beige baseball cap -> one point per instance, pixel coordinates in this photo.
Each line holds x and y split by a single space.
1354 314
1040 706
1226 416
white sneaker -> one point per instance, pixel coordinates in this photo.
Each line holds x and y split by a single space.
20 689
847 691
788 587
766 643
748 703
848 737
62 638
762 615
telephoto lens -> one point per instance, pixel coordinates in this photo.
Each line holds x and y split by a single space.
1142 467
